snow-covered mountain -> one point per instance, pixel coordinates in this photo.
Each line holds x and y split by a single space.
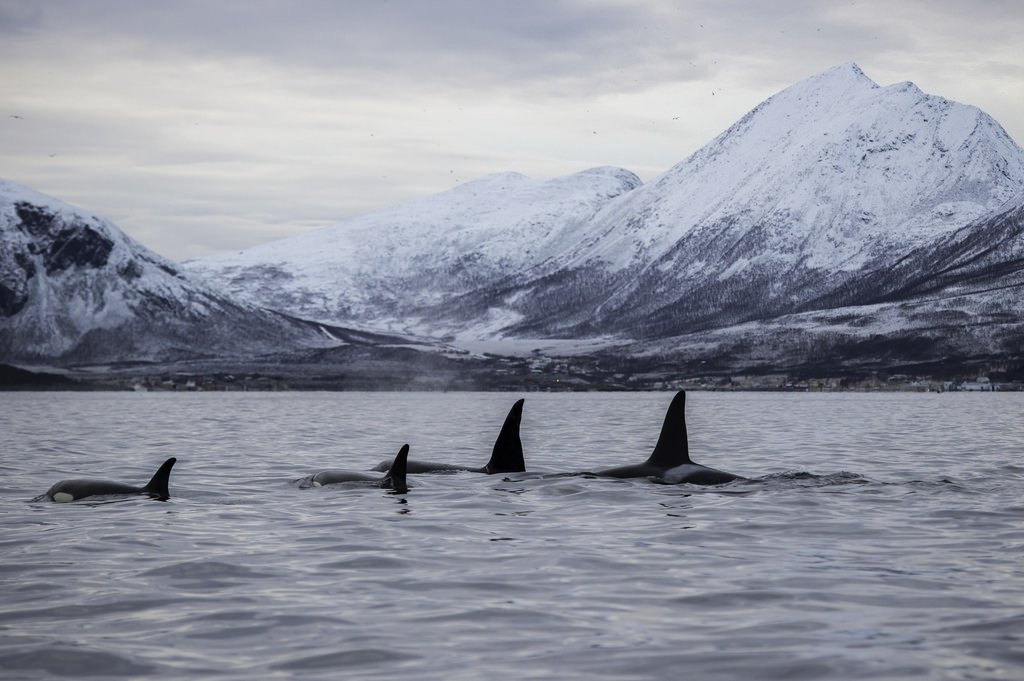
839 221
802 204
420 255
73 287
828 179
831 171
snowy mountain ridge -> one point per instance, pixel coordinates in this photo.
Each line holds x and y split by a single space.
838 220
829 178
828 165
421 252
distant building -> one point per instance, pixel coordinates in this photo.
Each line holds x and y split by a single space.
982 384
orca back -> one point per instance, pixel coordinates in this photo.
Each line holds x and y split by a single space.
73 490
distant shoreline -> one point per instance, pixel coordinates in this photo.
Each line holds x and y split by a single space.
241 377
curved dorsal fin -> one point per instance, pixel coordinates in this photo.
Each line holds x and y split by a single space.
507 455
157 485
672 448
395 477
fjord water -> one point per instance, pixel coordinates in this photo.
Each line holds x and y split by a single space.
880 537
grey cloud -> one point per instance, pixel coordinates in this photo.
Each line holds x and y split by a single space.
19 18
455 43
564 46
287 94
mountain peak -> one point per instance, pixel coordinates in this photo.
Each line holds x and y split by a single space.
848 70
837 81
834 168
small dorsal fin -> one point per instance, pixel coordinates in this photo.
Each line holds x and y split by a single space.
672 448
395 477
157 485
507 455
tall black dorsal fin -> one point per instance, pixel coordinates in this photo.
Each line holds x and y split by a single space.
395 477
157 485
507 455
672 448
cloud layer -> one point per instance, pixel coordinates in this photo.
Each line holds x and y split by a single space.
204 127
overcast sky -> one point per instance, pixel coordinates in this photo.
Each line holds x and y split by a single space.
206 126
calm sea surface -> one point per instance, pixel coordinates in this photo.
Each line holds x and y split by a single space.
881 537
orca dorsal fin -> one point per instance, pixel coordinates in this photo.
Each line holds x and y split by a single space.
672 449
507 455
395 477
157 485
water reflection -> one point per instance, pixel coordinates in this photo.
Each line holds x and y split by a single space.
403 502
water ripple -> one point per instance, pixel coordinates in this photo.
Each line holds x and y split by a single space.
878 536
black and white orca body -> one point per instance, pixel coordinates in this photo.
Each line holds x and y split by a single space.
394 478
506 456
670 462
73 490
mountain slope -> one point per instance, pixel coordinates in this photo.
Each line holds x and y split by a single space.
955 302
421 254
73 287
985 256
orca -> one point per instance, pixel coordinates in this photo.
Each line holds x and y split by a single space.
393 479
73 490
670 462
506 456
